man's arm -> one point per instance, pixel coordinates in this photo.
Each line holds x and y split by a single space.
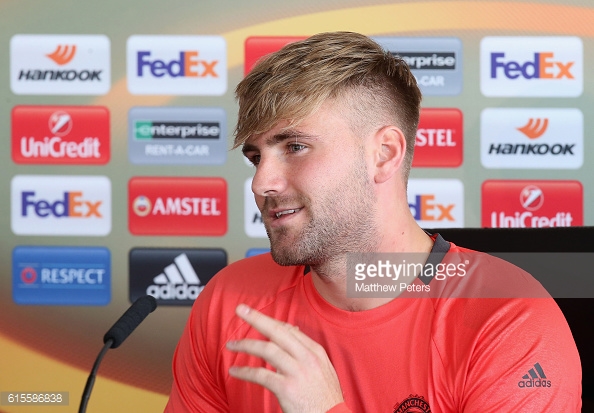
194 388
524 359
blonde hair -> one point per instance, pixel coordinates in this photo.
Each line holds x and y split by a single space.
294 82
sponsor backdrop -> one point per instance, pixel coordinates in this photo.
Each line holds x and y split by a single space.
118 178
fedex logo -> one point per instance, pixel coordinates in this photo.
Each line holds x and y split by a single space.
436 203
532 66
532 204
177 65
424 208
187 65
71 204
543 66
60 205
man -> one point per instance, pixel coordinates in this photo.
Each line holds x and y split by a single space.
330 123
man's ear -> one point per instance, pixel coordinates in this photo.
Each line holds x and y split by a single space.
390 149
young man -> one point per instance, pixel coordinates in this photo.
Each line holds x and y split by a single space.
330 123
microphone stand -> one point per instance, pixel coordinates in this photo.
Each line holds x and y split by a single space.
91 380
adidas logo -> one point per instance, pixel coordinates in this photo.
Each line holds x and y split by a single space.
535 378
178 281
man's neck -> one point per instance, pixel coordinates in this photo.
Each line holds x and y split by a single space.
330 279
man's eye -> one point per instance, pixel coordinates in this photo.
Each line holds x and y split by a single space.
255 159
295 147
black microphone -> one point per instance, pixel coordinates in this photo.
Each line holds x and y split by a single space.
130 320
116 336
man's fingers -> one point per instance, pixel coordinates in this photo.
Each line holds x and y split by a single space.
266 350
259 375
287 336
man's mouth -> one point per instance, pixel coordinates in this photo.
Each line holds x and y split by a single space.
286 212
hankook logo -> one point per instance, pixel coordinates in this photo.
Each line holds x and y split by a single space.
60 64
532 138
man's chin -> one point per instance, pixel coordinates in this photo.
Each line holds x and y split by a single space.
285 257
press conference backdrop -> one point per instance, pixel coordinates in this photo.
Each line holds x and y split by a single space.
118 178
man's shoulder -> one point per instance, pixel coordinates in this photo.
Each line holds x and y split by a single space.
258 275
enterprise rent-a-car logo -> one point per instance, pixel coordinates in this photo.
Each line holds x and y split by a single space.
177 135
60 64
436 62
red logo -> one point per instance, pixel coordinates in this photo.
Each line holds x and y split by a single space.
63 54
532 204
28 275
177 206
439 141
257 47
535 128
60 135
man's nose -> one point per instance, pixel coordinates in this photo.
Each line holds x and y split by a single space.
269 179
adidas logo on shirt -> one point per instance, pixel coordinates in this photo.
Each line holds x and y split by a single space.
178 281
535 378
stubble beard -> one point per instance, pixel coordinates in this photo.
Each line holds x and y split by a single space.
342 222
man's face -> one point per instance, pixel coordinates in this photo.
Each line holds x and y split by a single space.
313 188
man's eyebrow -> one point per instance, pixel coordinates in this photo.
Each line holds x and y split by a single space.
275 139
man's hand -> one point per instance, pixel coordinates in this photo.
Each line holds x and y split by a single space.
304 381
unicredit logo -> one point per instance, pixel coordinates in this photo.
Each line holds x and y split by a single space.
177 206
532 204
60 135
63 54
531 198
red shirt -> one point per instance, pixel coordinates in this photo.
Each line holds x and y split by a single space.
420 352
